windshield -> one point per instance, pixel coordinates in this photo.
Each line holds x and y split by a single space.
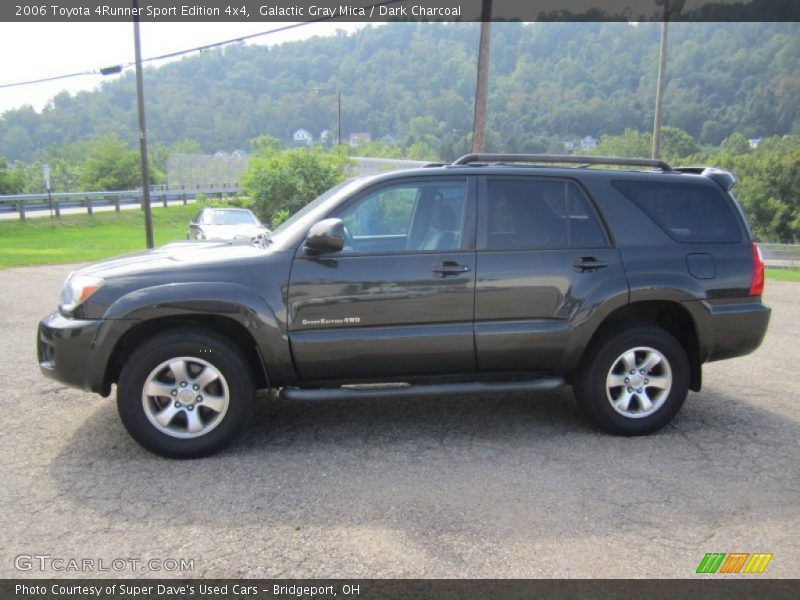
229 217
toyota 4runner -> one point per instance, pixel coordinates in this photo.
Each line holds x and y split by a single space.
494 274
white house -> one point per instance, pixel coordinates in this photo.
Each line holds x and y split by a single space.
302 137
588 143
755 142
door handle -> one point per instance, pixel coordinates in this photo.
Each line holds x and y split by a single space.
588 263
449 267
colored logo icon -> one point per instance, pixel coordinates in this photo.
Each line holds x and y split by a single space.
734 562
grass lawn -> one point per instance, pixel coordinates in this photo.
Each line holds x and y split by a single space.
784 274
83 238
80 238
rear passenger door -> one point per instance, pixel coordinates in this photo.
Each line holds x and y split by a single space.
542 253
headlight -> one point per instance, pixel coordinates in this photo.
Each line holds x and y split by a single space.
77 290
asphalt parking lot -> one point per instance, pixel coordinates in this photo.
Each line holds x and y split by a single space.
469 487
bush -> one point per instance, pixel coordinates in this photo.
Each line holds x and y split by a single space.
11 180
287 181
280 217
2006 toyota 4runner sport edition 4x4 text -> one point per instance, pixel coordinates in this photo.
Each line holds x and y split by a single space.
495 274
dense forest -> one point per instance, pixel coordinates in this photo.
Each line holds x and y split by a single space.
415 82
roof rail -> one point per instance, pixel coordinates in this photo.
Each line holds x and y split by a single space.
558 158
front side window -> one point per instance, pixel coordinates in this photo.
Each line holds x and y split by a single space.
420 216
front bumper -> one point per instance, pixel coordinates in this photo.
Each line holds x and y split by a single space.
65 348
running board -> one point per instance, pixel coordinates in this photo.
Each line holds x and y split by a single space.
421 391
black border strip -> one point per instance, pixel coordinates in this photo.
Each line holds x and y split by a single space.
377 11
706 587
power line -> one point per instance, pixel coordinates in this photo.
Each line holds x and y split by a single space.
117 68
54 78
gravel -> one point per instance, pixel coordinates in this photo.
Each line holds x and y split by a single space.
468 487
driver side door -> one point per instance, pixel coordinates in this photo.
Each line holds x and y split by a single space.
398 299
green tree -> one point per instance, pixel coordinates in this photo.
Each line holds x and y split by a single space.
631 144
768 180
676 143
11 180
265 145
735 144
287 181
111 166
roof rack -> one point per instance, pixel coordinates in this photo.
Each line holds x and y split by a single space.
584 161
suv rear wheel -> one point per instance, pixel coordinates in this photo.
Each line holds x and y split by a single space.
633 382
185 394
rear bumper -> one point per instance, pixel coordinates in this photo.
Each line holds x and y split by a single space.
65 348
737 329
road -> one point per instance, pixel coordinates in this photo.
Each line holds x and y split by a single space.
468 487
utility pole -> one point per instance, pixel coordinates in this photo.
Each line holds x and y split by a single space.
482 84
670 7
339 126
148 218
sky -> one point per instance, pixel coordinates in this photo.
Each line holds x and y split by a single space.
37 50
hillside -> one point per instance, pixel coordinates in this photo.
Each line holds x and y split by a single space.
412 81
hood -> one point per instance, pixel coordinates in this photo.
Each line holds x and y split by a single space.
173 257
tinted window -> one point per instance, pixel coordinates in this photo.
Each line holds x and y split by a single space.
531 213
686 212
584 228
525 213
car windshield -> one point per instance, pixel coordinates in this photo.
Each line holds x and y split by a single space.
229 217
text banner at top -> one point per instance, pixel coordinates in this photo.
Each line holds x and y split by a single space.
397 10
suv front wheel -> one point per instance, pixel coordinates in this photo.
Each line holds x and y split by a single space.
185 394
633 382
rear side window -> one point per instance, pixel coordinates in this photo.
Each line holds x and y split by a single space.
525 214
686 212
584 228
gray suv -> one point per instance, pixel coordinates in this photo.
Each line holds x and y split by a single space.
494 274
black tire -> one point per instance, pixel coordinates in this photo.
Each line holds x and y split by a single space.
605 366
231 386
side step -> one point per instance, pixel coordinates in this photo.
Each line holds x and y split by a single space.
373 392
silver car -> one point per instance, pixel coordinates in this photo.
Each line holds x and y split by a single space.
225 224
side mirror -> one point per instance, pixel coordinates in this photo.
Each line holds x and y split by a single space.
326 236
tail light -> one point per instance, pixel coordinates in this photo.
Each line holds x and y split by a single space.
757 283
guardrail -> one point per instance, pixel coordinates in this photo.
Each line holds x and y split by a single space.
25 204
785 256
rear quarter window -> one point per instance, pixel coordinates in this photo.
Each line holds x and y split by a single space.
687 212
